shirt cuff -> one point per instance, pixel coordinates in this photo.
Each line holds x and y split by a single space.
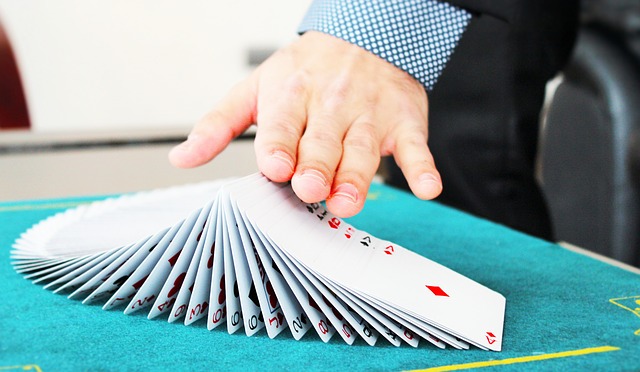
417 36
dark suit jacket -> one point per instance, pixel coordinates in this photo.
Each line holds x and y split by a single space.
484 109
552 22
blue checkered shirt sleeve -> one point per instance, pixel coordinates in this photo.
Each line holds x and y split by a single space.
417 36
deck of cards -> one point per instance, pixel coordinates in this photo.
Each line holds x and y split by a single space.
247 253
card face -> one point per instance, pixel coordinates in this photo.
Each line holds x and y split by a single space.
152 276
216 266
131 269
87 264
60 272
261 287
199 300
317 319
410 272
110 279
181 303
292 311
174 281
237 283
248 253
100 263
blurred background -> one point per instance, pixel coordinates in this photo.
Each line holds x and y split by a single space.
93 95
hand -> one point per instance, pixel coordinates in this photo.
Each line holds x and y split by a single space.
326 112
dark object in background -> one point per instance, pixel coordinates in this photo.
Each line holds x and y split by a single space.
484 111
13 105
591 149
621 18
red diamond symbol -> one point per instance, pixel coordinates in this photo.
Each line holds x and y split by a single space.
491 338
437 290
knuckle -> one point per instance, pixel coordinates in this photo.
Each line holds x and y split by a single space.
296 84
417 141
364 140
318 165
325 138
418 161
409 108
418 156
327 121
341 86
360 179
408 85
218 119
421 163
413 140
285 127
337 94
368 128
215 116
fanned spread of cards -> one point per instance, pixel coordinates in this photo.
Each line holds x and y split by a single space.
252 255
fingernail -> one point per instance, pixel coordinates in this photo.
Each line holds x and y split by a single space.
183 154
191 140
429 183
346 191
312 175
310 186
284 160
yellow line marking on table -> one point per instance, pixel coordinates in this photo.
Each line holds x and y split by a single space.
24 368
636 304
525 359
35 207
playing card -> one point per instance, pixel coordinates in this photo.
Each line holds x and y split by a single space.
250 254
292 311
178 267
90 262
412 273
130 270
181 303
238 285
199 301
317 319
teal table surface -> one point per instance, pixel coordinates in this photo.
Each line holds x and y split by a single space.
564 310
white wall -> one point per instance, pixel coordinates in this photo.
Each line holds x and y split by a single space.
95 65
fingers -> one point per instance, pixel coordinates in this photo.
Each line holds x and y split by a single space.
233 115
325 111
414 158
319 152
282 118
360 160
321 147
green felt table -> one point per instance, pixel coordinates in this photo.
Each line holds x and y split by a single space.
564 310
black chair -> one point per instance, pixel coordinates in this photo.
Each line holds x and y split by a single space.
590 148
